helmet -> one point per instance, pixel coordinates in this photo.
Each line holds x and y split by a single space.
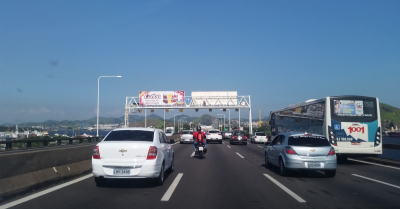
198 128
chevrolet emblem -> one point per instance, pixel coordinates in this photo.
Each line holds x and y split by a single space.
123 150
312 150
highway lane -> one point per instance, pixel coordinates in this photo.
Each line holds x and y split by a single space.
224 179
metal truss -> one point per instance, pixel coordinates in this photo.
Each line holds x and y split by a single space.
204 102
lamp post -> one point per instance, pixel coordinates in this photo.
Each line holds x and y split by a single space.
181 125
224 119
164 121
229 120
174 120
98 99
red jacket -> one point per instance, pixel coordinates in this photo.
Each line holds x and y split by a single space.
196 133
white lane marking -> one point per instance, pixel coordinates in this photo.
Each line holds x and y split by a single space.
295 196
260 146
361 161
228 146
174 143
223 142
392 185
30 197
172 188
192 154
239 155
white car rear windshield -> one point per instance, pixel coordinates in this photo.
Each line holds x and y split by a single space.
130 135
308 141
260 134
187 132
213 132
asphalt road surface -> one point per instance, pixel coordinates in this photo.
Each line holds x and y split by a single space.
231 176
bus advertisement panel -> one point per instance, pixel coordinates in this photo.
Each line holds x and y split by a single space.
355 121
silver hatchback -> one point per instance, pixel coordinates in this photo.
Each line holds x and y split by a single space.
301 151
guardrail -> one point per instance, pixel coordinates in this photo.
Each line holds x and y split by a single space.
27 143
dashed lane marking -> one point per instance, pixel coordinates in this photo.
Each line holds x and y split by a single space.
361 161
30 197
294 195
392 185
228 146
239 155
260 146
172 188
192 154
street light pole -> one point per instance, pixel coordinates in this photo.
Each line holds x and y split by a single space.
98 99
224 118
174 120
229 121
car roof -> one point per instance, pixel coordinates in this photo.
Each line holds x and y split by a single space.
185 130
299 134
213 130
136 128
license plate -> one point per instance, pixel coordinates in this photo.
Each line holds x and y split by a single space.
200 148
119 171
314 165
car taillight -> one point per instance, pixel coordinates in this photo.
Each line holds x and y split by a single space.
181 134
234 137
152 154
255 137
219 134
208 134
245 137
96 152
290 151
332 151
332 137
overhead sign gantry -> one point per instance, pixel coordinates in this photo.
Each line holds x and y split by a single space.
178 100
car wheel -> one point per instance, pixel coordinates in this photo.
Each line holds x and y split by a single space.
267 164
230 142
100 182
282 169
160 180
330 173
180 142
172 167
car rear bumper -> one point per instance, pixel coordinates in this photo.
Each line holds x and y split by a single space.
138 170
214 139
304 164
239 141
187 140
260 140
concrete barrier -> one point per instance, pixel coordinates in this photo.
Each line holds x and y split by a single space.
24 171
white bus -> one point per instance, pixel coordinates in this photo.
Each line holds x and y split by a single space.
352 124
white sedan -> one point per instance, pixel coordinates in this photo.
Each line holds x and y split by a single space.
259 137
129 153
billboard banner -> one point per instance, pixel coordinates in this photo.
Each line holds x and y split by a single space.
162 98
204 98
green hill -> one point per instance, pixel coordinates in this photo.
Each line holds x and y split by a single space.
390 116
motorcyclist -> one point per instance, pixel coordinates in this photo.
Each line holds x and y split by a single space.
198 138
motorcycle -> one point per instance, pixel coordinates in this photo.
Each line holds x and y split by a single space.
200 149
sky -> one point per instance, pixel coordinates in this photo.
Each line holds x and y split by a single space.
278 52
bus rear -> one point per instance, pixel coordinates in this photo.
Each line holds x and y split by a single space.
355 125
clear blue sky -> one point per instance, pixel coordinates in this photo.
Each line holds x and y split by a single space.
278 52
